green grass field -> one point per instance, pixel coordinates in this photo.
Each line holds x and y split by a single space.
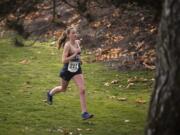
27 73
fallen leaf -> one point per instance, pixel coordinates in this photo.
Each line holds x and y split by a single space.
112 97
106 84
140 101
53 43
79 129
152 67
108 25
60 130
153 30
152 79
88 129
114 81
131 80
135 79
129 85
126 121
24 62
120 86
121 99
96 24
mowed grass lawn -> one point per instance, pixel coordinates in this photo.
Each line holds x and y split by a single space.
27 73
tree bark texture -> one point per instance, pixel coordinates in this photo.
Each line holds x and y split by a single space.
164 110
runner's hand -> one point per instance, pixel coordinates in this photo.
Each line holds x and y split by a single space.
78 51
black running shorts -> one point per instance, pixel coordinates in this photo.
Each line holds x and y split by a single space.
66 75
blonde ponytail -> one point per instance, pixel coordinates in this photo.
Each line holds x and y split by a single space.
62 40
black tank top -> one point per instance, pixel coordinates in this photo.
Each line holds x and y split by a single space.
75 59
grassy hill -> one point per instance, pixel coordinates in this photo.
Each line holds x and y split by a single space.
119 100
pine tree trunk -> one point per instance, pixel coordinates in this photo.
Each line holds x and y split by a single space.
164 111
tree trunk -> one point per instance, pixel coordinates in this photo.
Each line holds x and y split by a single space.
164 111
54 10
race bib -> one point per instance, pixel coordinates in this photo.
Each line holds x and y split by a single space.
73 66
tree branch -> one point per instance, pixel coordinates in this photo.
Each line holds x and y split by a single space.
66 2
